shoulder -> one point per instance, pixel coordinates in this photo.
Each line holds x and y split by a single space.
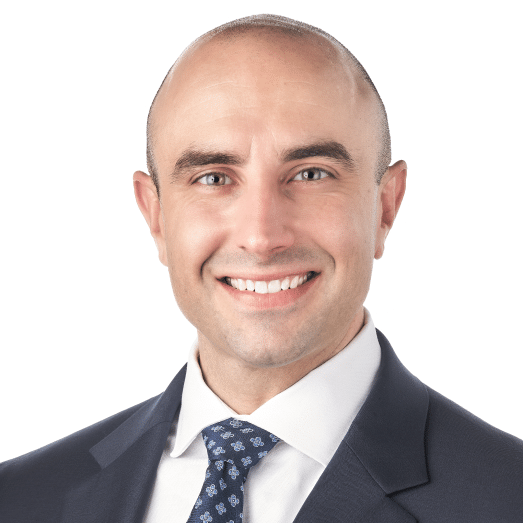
454 433
45 474
475 470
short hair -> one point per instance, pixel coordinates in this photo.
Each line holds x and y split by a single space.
292 28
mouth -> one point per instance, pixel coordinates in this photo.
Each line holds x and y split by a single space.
269 286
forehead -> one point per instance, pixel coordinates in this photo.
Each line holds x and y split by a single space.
269 87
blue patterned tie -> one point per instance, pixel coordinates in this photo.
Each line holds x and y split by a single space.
234 447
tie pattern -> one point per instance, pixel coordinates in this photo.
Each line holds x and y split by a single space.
233 447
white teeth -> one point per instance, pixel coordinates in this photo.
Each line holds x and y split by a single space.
260 287
274 286
264 287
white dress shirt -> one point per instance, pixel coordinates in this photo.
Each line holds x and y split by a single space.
311 418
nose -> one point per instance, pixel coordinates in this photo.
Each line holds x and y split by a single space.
263 221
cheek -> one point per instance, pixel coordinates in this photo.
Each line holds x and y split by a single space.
192 236
345 228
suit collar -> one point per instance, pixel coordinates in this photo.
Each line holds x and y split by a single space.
161 409
128 458
382 453
388 434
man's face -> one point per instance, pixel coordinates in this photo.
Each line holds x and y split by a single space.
249 144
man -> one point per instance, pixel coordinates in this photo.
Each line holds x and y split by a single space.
269 197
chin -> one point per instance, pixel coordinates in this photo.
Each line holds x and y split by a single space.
268 352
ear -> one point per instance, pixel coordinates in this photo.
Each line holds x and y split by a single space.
390 195
150 206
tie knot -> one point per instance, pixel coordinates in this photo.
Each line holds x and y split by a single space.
239 443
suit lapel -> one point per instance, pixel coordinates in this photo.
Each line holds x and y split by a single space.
128 459
382 453
347 493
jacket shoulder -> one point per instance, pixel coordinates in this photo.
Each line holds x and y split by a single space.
475 470
468 438
46 473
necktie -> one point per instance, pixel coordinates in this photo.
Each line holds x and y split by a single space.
233 447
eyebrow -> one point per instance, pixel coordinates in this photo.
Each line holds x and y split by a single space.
198 158
192 157
332 150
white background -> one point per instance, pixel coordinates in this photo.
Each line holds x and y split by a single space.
89 324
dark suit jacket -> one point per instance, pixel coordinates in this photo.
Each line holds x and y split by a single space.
410 455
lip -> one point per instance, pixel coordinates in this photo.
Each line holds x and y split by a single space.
257 301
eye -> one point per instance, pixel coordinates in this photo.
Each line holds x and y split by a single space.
214 179
313 173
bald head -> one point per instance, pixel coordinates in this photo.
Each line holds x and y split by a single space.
287 36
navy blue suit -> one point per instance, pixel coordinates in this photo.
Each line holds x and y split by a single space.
410 455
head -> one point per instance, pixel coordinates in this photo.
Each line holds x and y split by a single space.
269 152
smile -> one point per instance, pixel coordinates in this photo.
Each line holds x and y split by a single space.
270 287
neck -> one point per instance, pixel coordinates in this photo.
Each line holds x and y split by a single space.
245 387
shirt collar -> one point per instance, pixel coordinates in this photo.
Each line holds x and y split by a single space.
313 415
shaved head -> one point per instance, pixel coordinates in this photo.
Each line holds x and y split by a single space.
262 29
